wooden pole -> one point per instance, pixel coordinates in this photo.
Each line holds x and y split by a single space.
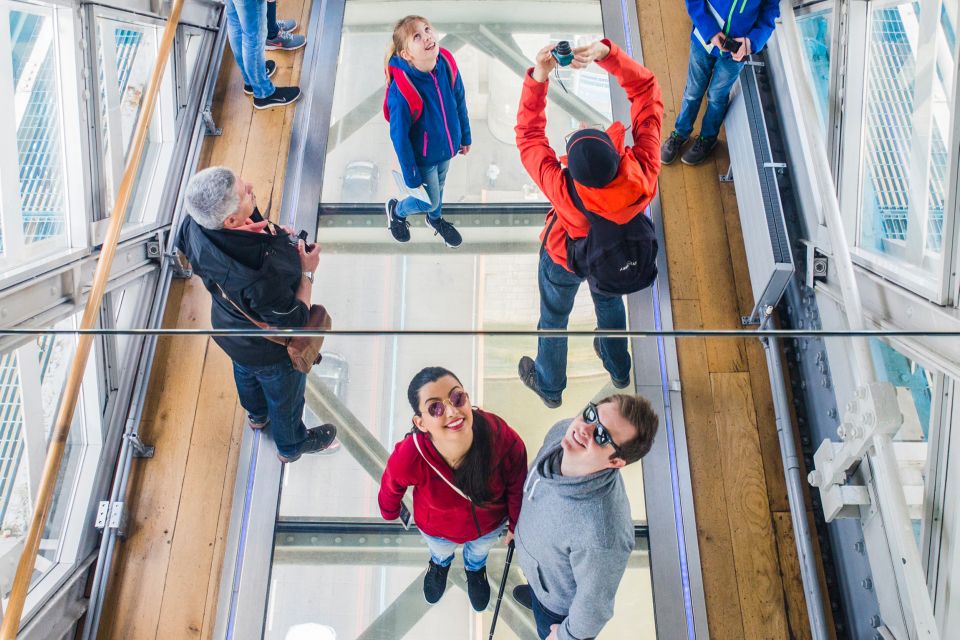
61 429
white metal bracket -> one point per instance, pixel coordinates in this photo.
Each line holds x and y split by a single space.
112 515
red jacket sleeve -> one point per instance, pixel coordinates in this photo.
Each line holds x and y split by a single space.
394 483
536 154
514 470
646 105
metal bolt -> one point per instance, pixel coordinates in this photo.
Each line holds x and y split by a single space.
875 621
825 382
860 546
832 413
867 584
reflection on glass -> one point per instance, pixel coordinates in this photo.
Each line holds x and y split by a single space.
39 147
913 385
494 43
815 30
890 105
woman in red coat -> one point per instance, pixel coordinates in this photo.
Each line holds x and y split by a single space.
467 469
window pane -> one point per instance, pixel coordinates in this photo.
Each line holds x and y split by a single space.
890 105
492 54
815 31
39 149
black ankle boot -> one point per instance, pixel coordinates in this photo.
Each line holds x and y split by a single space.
435 582
478 589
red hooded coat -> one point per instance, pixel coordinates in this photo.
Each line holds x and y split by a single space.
438 510
636 181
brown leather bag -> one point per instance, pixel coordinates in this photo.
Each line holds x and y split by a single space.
304 351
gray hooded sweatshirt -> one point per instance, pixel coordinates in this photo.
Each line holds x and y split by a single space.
574 538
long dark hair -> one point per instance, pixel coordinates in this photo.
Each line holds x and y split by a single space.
471 476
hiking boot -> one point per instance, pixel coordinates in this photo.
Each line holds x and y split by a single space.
257 425
281 96
318 439
527 370
619 384
478 589
523 596
435 582
700 151
271 69
671 148
289 25
451 237
285 41
399 227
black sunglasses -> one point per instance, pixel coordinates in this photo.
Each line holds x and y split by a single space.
601 435
457 399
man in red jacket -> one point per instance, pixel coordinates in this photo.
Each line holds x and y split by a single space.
613 181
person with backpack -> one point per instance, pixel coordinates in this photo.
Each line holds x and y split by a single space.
724 33
426 106
467 468
597 229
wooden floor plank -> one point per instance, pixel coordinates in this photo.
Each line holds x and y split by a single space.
767 425
752 534
792 582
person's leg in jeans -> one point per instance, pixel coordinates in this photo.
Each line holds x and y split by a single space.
699 70
476 551
251 393
247 31
725 73
544 617
611 314
284 387
441 551
434 188
272 27
558 289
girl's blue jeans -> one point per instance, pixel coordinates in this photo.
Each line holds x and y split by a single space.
475 552
434 178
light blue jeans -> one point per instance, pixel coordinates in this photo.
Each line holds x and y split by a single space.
475 552
706 74
434 178
247 31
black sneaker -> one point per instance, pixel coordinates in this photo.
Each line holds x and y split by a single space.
527 370
322 438
399 227
478 589
435 582
451 237
271 69
671 148
619 384
523 596
280 97
700 151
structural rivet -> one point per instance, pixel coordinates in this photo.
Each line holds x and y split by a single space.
867 584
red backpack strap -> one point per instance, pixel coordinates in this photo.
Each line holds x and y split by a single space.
409 93
451 65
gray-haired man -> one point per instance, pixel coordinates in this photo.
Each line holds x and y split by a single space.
254 270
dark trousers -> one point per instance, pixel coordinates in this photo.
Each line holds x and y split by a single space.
545 618
275 391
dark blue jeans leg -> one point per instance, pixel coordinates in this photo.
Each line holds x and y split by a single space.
558 289
544 617
281 387
699 71
725 73
611 314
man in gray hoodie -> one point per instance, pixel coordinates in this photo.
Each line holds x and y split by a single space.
575 532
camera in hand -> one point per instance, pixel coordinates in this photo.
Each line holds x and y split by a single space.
308 246
729 44
562 53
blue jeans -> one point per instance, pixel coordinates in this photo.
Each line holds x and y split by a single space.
434 178
247 31
558 289
709 75
544 617
275 391
475 552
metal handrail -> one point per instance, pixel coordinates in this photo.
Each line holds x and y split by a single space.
61 428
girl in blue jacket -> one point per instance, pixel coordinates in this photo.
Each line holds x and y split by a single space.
427 109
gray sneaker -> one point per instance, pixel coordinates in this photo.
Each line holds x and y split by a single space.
285 41
527 370
671 148
289 25
700 151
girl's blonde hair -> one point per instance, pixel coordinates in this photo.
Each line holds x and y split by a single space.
404 29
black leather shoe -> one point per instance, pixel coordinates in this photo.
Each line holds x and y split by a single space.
700 151
435 582
671 148
527 370
523 595
619 384
322 438
478 589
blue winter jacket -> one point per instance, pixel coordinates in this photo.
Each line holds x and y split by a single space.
443 126
754 19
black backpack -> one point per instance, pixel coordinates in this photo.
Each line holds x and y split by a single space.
616 259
